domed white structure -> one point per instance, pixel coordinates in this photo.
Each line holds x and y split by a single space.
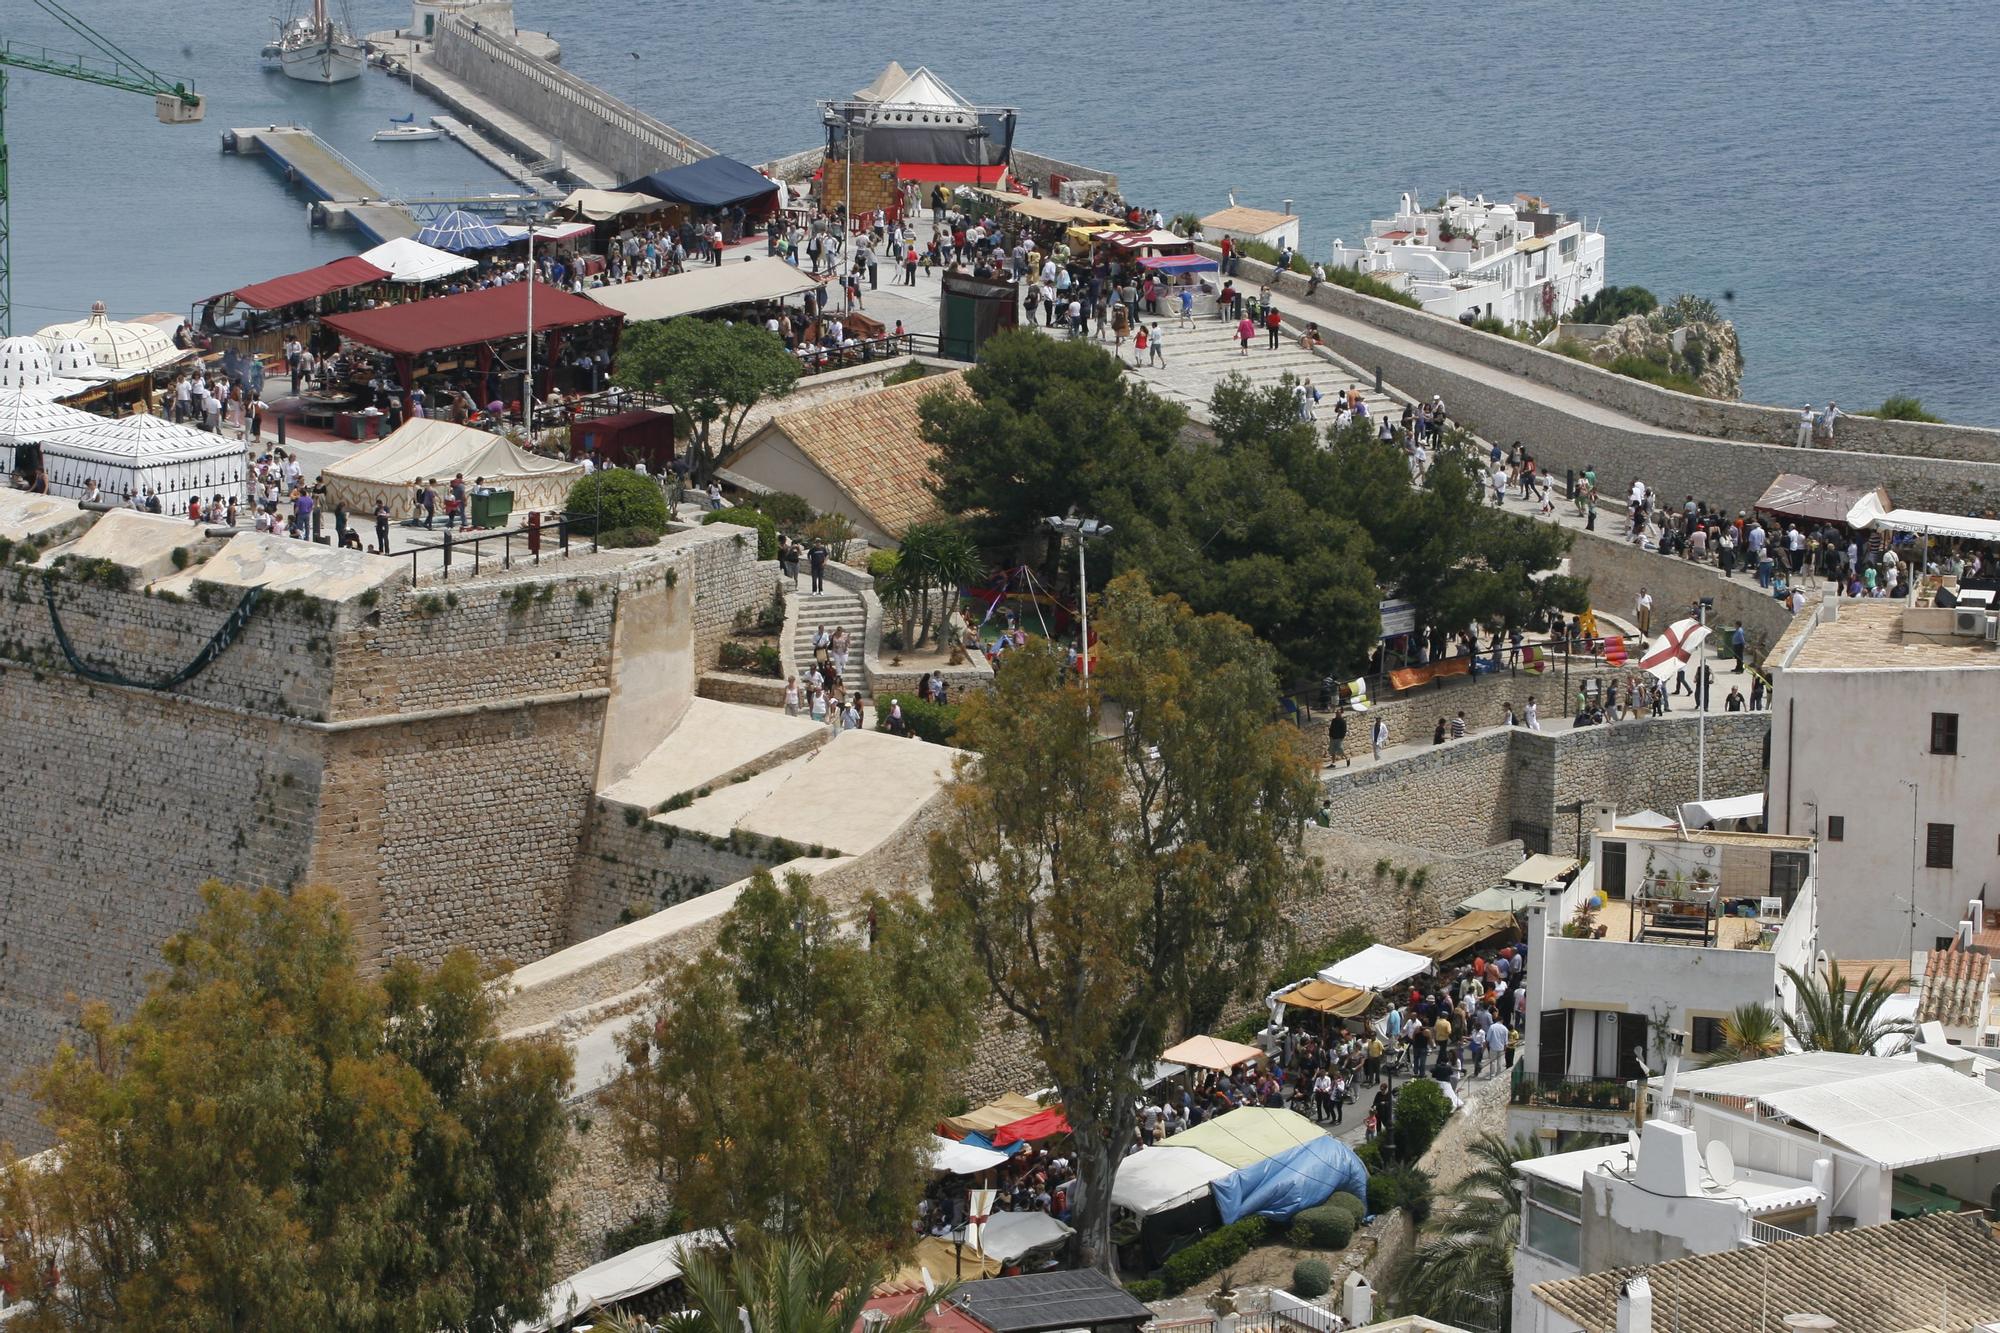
24 365
71 359
119 347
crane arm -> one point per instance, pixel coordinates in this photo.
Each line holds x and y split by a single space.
65 65
135 75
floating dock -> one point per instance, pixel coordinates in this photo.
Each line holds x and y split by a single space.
308 161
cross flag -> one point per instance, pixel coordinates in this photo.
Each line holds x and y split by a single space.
1671 651
979 1207
1357 694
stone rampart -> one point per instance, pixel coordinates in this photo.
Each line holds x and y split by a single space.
1617 570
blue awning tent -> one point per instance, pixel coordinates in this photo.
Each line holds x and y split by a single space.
459 231
713 182
1297 1178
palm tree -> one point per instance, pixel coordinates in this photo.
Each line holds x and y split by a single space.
934 558
789 1286
1462 1271
1752 1032
1829 1016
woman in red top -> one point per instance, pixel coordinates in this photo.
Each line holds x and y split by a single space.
1245 331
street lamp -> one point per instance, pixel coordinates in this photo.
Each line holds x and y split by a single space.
1084 530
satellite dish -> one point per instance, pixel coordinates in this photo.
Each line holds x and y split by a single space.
1721 1163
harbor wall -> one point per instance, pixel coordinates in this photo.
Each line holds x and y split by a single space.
592 122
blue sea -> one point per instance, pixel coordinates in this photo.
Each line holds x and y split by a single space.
1823 170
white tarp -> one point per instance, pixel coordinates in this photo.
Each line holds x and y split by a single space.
125 455
1694 814
711 287
597 205
428 447
1906 1116
1153 1180
1376 967
962 1159
628 1274
1008 1236
1939 525
408 259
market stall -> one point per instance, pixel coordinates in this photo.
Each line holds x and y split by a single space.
1460 936
1800 497
712 186
459 231
1376 968
126 455
1214 1053
409 260
1005 1109
256 319
619 1278
957 1158
428 447
1021 1237
1324 998
27 421
711 287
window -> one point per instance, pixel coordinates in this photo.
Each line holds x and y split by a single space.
1836 828
1611 874
1552 1046
1937 846
1706 1035
1788 875
1555 1226
1944 733
1632 1039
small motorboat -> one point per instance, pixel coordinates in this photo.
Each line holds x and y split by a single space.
408 133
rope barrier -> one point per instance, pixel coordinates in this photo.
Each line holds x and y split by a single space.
217 644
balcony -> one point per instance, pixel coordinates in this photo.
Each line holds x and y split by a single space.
1570 1092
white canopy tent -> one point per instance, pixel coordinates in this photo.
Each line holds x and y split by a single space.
962 1159
1375 968
1154 1180
409 260
1694 814
760 279
428 447
27 417
126 455
1008 1236
1939 525
632 1273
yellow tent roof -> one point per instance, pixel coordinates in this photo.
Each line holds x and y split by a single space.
1247 1135
1327 998
1212 1053
1002 1110
942 1258
1455 937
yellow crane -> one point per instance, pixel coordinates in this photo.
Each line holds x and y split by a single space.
110 66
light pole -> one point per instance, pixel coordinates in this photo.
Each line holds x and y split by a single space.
1915 829
1084 530
528 380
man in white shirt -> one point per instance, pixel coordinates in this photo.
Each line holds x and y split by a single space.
1643 612
1804 437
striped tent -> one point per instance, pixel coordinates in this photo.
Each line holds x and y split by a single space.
459 231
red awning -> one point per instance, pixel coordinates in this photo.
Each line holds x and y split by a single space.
338 276
948 173
491 314
1040 1125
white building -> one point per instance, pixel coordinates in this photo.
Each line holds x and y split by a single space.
1471 259
1690 926
1884 726
1761 1153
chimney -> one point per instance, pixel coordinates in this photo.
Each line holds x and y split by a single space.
1635 1305
1603 816
1357 1301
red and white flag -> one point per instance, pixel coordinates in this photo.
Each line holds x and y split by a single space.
1672 650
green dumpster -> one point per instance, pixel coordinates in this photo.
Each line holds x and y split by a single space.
490 508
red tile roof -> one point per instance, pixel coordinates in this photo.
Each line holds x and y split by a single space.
940 1319
1955 982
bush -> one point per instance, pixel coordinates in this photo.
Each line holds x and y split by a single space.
1902 407
1147 1289
1311 1279
936 723
767 531
625 499
785 509
904 374
1404 1187
1355 1206
1211 1254
1612 304
762 659
1370 1154
1326 1227
634 536
1421 1110
882 564
1639 368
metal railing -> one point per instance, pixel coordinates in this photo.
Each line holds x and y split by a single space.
864 351
1764 1233
1569 1092
1302 701
452 548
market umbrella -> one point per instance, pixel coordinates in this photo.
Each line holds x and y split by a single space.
459 231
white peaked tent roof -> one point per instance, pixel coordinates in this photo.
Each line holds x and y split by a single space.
1008 1236
1376 967
926 89
1153 1180
138 440
122 347
428 447
629 1274
962 1159
29 418
890 79
409 260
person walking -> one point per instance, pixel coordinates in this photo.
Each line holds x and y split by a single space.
1273 325
1378 736
1336 741
1532 715
817 560
1245 331
1154 354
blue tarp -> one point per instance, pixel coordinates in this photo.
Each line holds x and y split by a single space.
1296 1178
713 182
979 1140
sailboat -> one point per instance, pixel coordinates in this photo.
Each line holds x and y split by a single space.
404 129
312 48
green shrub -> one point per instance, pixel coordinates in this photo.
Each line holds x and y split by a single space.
618 537
882 564
1902 407
1211 1254
1370 1154
624 499
1325 1227
904 374
767 531
761 659
1612 304
936 723
786 509
1311 1279
1404 1187
1421 1110
1354 1205
1146 1289
1639 368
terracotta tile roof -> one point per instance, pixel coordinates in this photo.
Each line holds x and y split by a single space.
870 446
1954 985
1241 217
1873 1280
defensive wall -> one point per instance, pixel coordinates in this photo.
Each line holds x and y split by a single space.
1511 783
1671 441
583 116
1618 569
429 751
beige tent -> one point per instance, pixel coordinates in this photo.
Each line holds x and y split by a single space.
427 447
1002 1110
1212 1053
597 205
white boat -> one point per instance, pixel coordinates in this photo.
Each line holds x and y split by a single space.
312 48
408 134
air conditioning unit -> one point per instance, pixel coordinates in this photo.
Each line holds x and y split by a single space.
1969 623
1993 629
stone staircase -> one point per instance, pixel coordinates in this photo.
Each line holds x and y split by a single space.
835 607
